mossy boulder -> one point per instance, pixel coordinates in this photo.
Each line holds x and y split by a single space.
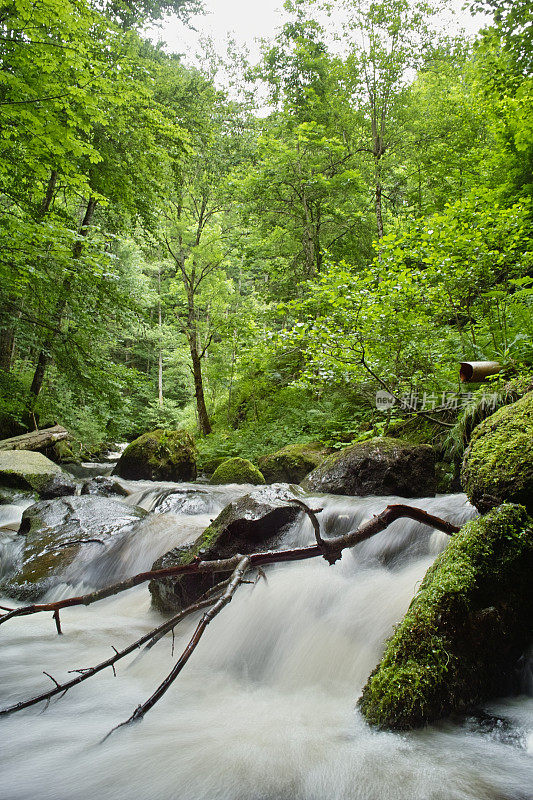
470 621
498 463
56 531
24 469
255 521
384 466
237 470
160 455
292 463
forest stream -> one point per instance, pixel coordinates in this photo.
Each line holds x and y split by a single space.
265 709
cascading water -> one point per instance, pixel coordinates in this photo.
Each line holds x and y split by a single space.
265 709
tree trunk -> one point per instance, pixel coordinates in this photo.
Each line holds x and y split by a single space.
203 418
7 343
36 440
45 356
160 365
379 218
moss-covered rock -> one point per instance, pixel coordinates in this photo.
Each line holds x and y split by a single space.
292 463
160 455
464 631
379 466
24 469
257 519
237 470
498 463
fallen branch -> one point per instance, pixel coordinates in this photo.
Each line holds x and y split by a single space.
87 672
35 440
331 549
238 574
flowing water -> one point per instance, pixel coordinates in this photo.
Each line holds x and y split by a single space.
265 708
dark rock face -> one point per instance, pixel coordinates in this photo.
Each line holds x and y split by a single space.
498 463
255 521
57 486
292 463
57 530
160 455
460 641
103 486
377 467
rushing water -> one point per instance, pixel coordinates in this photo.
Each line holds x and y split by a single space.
265 709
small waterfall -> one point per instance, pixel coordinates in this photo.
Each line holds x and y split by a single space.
265 709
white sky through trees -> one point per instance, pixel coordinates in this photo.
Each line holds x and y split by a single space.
247 20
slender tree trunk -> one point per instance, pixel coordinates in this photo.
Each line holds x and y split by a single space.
160 367
203 418
379 217
7 343
45 356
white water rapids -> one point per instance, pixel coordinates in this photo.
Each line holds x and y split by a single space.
265 708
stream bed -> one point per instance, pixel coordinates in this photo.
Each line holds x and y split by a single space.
265 709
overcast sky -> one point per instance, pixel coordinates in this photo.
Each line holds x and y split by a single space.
247 20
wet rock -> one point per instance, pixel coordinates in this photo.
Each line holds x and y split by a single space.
292 463
104 486
57 486
56 531
161 455
255 521
24 469
498 463
461 639
377 467
237 470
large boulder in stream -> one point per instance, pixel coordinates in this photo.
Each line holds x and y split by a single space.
377 467
160 455
24 469
498 463
469 623
57 531
255 521
292 463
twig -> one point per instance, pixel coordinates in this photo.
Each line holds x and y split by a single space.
240 570
87 672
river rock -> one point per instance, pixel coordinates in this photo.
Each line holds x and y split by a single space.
377 467
161 455
255 521
498 463
25 469
237 470
56 531
292 463
105 487
57 486
460 641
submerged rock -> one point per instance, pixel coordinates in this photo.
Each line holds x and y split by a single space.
160 455
292 463
56 531
237 470
377 467
255 521
24 469
498 463
465 630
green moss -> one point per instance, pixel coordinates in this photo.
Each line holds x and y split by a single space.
159 455
237 470
292 463
465 628
498 463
